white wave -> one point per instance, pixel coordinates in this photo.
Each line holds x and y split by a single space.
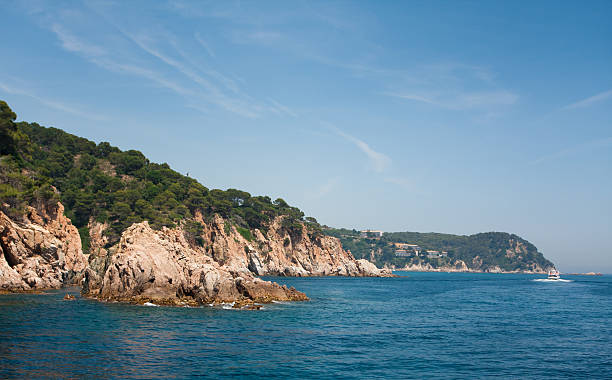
547 280
149 304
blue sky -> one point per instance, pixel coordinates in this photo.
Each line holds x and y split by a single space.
458 117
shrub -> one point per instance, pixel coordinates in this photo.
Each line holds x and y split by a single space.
245 232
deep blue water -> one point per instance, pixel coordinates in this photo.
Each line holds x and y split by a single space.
433 325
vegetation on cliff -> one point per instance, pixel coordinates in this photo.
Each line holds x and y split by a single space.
479 252
103 183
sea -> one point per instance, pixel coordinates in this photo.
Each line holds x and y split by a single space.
418 325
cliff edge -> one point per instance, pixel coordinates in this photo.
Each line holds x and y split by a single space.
41 251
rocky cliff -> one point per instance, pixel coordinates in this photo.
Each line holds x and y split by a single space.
163 268
460 266
166 267
41 251
278 253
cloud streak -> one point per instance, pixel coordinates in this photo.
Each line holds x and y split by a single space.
205 45
400 181
99 56
590 100
460 100
448 85
587 146
199 85
51 103
213 94
281 109
324 188
379 162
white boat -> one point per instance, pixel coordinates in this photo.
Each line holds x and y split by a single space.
554 274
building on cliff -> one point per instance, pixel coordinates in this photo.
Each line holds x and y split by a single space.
372 234
404 249
436 254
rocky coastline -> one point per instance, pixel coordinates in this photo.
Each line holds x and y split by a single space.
164 267
460 267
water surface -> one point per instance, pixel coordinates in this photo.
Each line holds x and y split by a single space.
433 325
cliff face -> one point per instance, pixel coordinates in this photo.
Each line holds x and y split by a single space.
165 266
277 253
162 267
43 251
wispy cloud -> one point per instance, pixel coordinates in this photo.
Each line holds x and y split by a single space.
281 109
448 85
400 181
74 44
51 103
205 45
587 146
200 85
407 184
590 100
415 97
379 162
264 37
100 57
324 188
212 93
461 100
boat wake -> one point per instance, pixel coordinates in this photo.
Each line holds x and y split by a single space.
550 280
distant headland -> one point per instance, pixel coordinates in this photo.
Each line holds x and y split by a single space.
490 252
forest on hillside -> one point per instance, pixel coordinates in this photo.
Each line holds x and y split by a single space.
490 248
40 166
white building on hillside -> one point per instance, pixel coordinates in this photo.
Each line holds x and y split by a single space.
371 234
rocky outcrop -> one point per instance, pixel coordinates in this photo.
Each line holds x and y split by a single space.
165 267
278 253
161 267
457 266
98 256
460 266
42 251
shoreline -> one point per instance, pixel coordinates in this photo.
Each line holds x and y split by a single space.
453 270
